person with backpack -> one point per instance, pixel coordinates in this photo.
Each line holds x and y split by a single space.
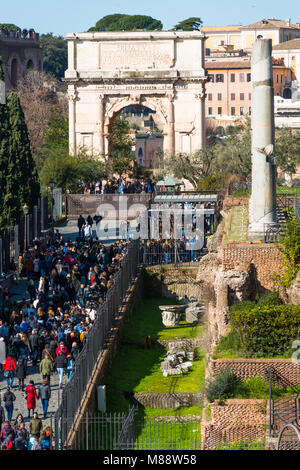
44 393
7 428
9 443
9 367
61 364
46 368
8 399
35 342
21 373
20 442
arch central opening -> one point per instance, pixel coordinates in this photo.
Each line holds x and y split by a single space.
143 127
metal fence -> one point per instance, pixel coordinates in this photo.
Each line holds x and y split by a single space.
297 208
136 432
282 410
14 239
95 344
188 257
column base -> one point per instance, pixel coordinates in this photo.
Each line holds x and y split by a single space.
257 231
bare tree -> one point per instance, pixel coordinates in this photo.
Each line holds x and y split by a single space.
192 167
38 94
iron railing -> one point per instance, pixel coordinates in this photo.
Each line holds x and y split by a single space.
14 239
184 257
297 208
135 432
96 343
282 411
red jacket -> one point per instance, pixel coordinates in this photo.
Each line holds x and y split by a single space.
31 396
9 364
63 349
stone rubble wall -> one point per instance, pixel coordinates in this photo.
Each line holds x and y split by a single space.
247 368
265 258
235 421
168 400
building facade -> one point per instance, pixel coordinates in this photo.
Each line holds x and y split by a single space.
228 92
148 149
243 37
163 71
20 51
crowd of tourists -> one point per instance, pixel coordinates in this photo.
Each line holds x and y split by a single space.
170 251
46 331
117 186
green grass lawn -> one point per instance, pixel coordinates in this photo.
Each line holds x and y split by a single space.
147 321
138 370
168 436
236 228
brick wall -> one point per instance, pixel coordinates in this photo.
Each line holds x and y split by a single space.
247 368
264 258
231 202
235 421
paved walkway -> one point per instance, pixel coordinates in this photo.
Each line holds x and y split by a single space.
108 233
18 292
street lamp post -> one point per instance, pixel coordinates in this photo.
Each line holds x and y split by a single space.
52 219
25 210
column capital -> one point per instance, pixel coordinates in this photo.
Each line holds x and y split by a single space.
72 95
200 96
170 95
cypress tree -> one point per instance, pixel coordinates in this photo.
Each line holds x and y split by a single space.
4 155
22 184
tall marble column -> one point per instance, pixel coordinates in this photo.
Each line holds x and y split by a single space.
262 207
72 119
170 147
101 125
200 121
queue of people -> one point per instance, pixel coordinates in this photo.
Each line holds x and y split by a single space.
169 251
117 186
45 332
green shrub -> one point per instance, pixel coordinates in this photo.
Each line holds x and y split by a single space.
289 246
242 193
266 330
223 386
228 346
255 387
212 183
273 298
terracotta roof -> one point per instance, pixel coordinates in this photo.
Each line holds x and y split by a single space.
228 65
271 24
293 44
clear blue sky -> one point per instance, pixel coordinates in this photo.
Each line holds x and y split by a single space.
64 16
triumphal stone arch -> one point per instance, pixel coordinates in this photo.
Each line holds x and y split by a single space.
108 72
